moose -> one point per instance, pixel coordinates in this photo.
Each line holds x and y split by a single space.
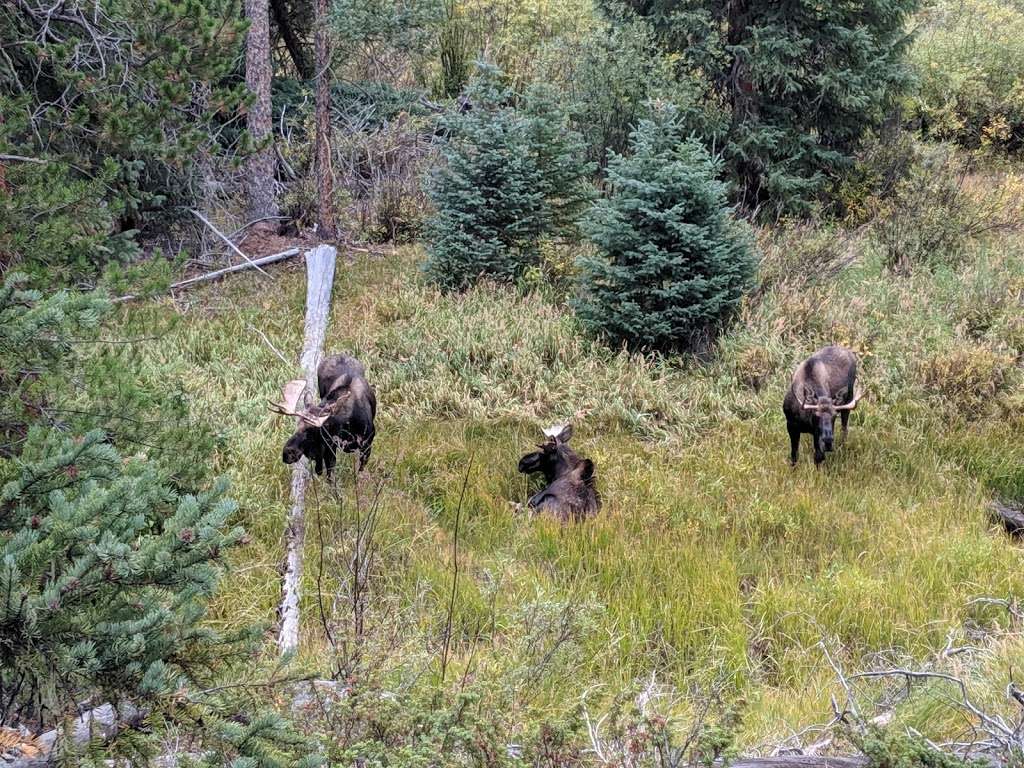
342 420
822 388
570 492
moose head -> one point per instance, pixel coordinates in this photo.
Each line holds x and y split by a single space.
554 457
309 438
824 408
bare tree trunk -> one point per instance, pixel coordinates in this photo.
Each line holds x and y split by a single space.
319 281
324 173
261 166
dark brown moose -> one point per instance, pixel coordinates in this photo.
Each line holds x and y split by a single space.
341 421
822 389
571 492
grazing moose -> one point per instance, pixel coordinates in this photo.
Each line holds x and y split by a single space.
822 388
570 493
341 421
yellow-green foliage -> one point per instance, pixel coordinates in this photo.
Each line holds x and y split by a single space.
712 561
969 58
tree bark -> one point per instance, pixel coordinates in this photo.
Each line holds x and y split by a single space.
261 166
319 281
296 48
322 162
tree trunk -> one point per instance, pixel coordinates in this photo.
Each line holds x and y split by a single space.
319 281
296 49
743 98
261 166
324 173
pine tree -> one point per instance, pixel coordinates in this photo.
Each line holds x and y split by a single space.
510 176
121 104
802 82
671 260
106 569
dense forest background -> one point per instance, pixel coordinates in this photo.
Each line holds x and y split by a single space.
635 215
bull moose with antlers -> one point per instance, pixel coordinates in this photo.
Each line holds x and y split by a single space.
341 421
822 389
571 492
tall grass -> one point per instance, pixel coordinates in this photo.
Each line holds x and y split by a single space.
712 561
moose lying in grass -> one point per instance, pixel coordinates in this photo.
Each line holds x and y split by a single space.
570 493
822 388
341 421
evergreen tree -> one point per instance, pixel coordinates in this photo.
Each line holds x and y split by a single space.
802 82
671 260
106 570
122 106
510 176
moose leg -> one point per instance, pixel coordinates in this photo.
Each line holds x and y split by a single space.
364 454
794 445
819 454
844 416
330 459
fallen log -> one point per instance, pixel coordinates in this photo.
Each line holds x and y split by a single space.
319 281
274 257
1012 517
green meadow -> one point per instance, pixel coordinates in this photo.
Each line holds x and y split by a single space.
713 565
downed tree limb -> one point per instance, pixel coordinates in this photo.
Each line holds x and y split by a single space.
21 159
257 263
319 281
227 240
272 258
1012 517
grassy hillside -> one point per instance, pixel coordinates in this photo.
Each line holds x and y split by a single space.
713 562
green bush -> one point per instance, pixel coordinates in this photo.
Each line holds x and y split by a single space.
943 204
510 176
608 78
106 569
125 112
801 84
671 261
970 63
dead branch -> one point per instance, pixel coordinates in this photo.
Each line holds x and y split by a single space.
227 240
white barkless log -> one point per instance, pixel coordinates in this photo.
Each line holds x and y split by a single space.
319 281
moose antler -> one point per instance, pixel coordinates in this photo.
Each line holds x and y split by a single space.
857 395
291 392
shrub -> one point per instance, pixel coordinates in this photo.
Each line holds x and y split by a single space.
967 377
970 63
939 209
128 109
510 176
671 260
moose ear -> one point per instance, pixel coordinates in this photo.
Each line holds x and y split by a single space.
554 431
586 469
842 395
566 434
